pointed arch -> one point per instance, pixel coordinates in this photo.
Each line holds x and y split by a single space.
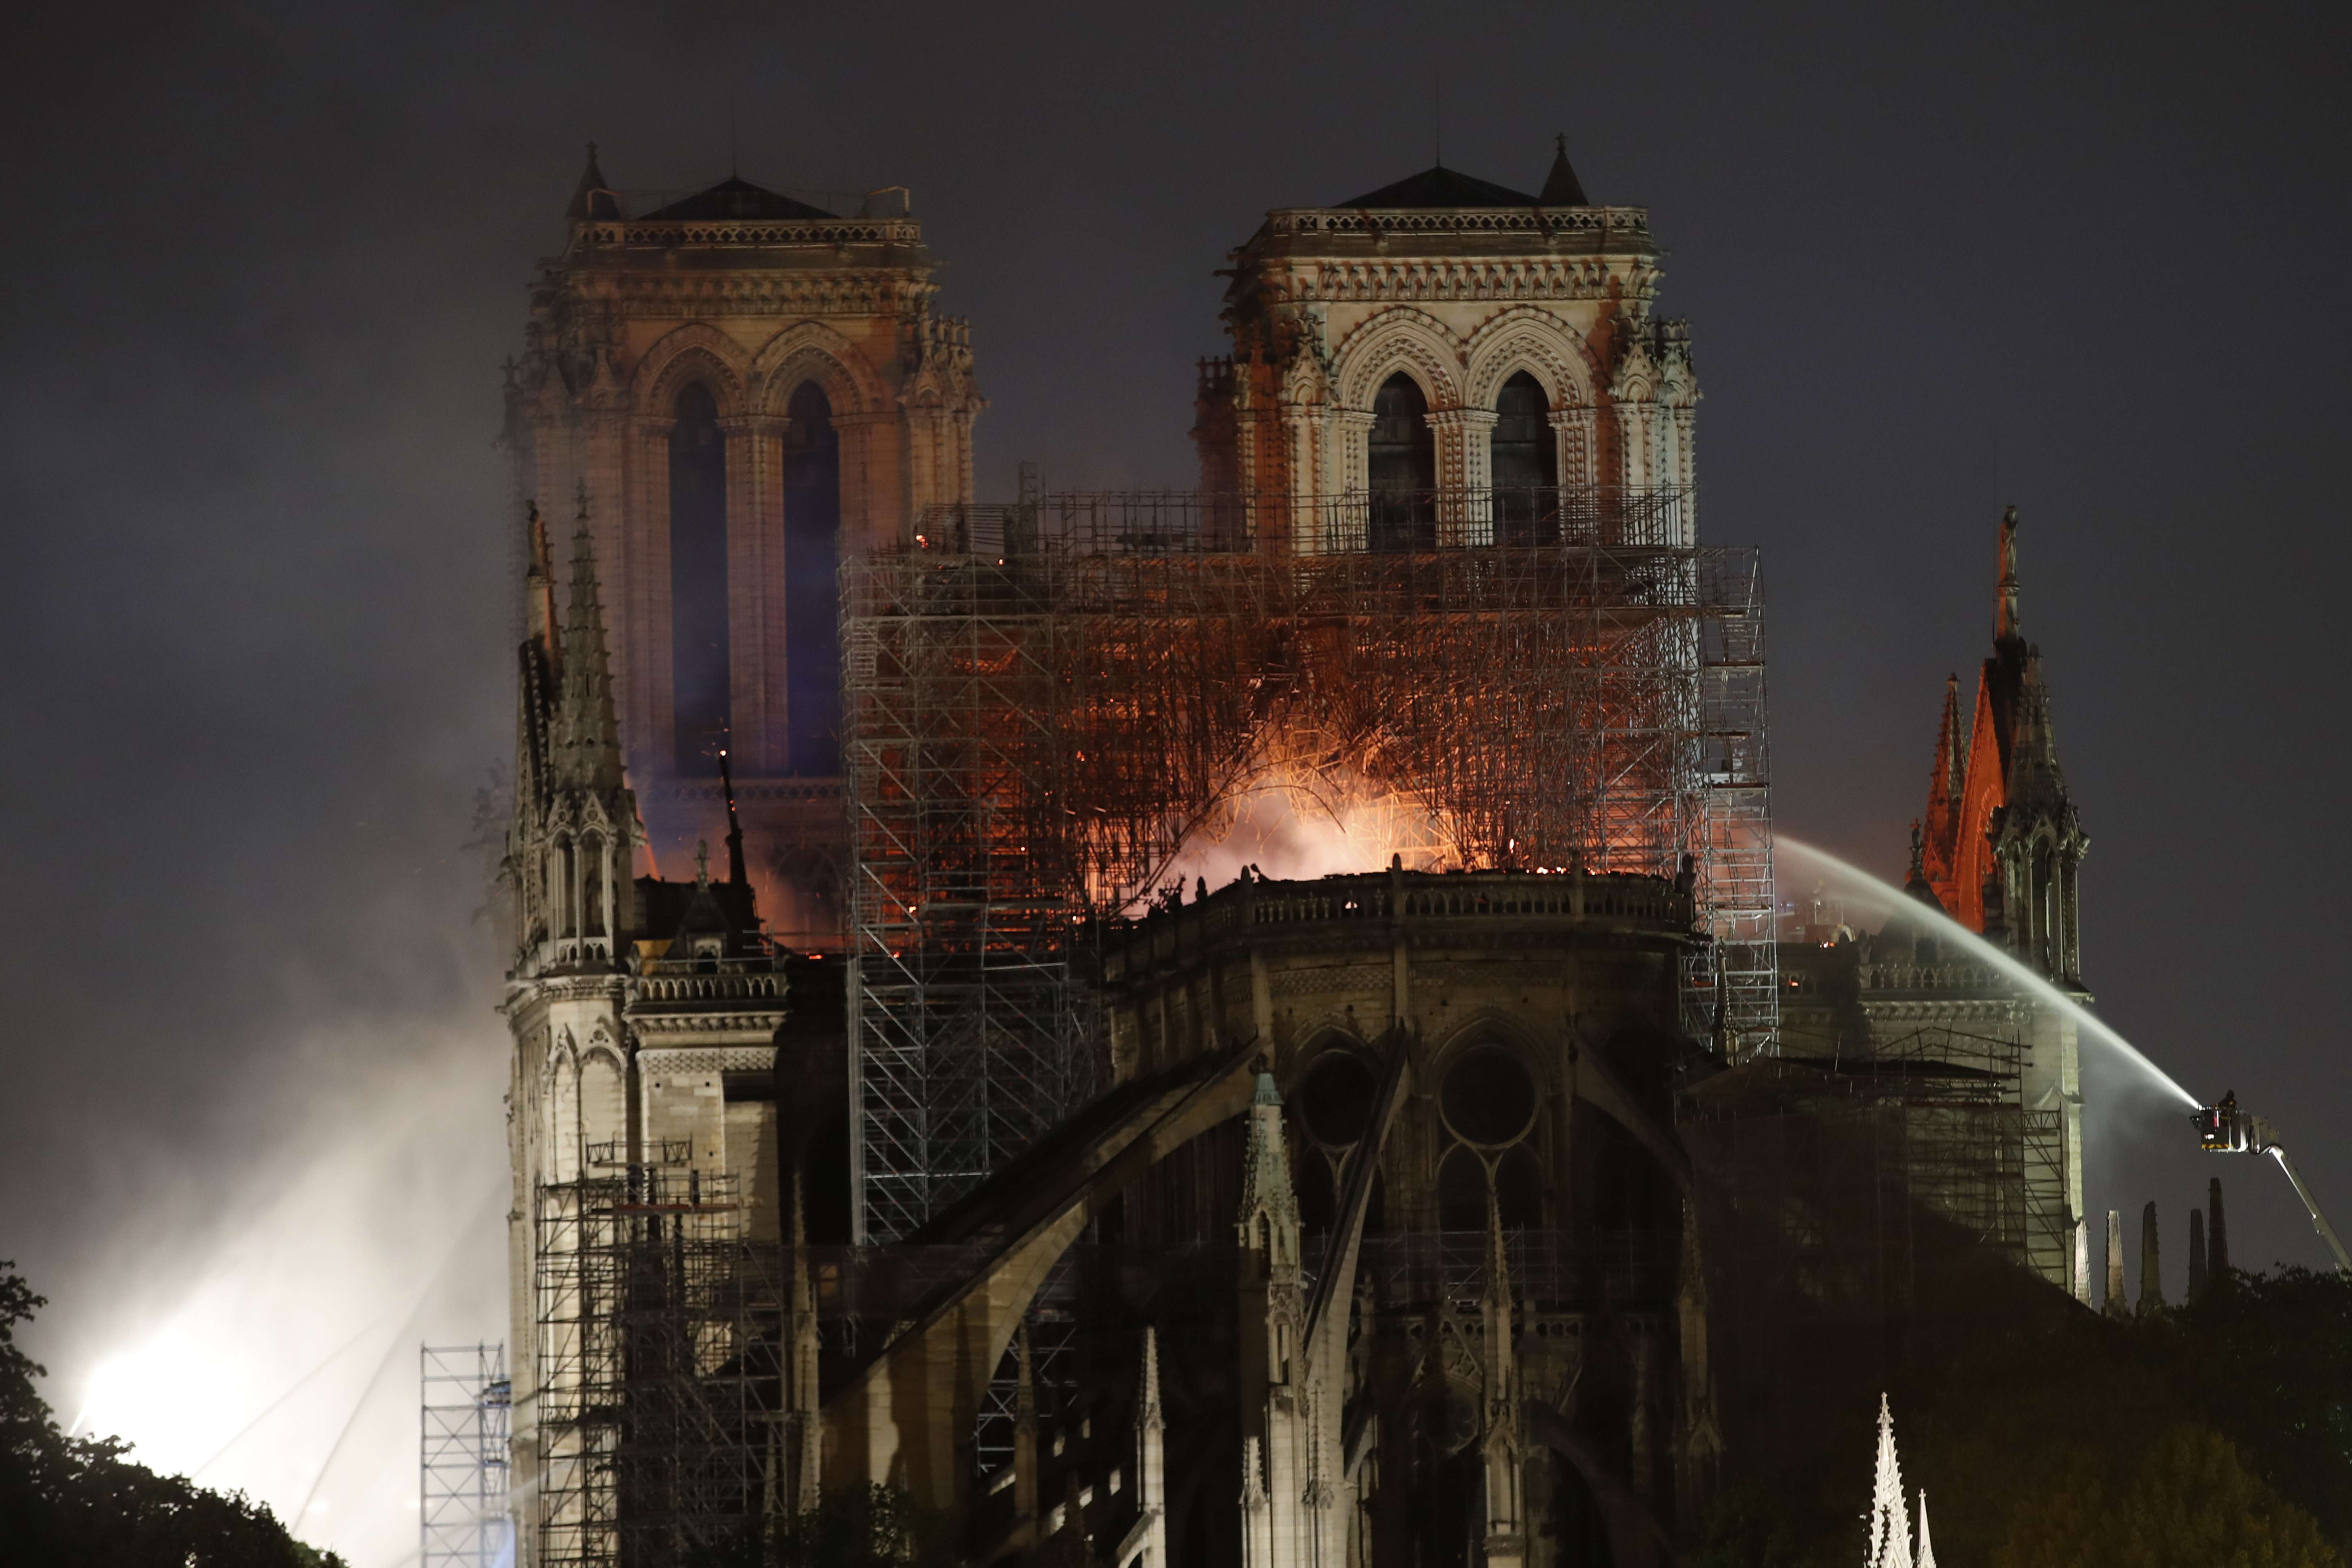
1399 339
695 352
1539 343
813 351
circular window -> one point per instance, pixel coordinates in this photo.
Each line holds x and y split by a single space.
1489 1097
1335 1100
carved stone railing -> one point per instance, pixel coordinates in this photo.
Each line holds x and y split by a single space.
752 232
1539 221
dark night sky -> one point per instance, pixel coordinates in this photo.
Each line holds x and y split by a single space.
263 261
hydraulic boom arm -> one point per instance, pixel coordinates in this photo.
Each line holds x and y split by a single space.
2224 1129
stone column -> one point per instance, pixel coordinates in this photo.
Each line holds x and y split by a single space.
1340 522
1465 505
645 649
2151 1273
872 483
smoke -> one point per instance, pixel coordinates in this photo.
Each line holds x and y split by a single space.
1295 823
278 1358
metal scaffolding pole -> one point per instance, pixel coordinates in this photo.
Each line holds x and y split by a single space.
660 1409
462 1482
1047 702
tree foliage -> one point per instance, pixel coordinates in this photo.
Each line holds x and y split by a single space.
2218 1432
77 1500
2269 1361
2181 1499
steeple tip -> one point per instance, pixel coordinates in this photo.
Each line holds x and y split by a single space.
1561 188
592 198
2005 609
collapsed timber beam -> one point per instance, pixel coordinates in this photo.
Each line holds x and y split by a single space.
905 1419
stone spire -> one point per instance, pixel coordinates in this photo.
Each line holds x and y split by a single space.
1561 187
1505 1543
1151 1461
1890 1529
593 197
1915 882
2216 1233
539 591
2151 1272
2005 625
588 730
1927 1548
802 1420
2196 1252
1270 1208
2116 1307
1275 1382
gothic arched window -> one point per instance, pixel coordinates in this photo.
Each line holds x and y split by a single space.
812 590
1401 469
1518 1191
1524 464
1462 1191
698 581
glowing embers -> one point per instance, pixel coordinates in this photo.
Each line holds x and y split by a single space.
1295 823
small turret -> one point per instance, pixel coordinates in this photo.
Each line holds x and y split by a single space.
588 729
1561 187
1269 1223
593 199
2004 628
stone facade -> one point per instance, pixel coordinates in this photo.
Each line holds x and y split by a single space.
732 305
1510 1362
1998 851
645 1017
1457 286
1381 1247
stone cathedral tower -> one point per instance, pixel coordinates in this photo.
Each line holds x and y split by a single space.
1454 352
748 387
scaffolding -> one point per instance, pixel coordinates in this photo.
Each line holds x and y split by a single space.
1047 701
659 1412
462 1471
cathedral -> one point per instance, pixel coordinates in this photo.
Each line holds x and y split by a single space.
977 1122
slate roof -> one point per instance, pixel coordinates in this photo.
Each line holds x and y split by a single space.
734 199
1440 186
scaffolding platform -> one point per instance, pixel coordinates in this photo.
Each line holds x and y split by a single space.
658 1324
1047 701
466 1412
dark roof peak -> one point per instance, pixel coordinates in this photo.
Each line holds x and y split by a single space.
1561 187
734 197
1439 186
592 198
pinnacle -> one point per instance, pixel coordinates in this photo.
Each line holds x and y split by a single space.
588 729
592 196
1561 188
2005 621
